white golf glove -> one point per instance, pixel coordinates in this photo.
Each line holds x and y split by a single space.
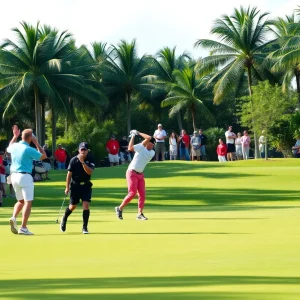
135 132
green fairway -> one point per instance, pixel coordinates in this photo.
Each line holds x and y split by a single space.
215 231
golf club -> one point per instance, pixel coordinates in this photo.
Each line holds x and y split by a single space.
61 208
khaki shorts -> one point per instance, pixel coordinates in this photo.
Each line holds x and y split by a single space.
195 152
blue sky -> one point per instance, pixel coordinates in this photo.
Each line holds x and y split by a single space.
154 24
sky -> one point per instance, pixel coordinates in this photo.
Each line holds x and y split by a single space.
154 24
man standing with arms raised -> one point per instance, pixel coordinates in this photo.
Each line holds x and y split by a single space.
22 156
134 175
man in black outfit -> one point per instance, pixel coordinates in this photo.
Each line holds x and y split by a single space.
203 138
78 182
124 153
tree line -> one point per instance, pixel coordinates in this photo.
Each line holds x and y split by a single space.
71 93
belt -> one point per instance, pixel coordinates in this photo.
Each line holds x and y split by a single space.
137 172
80 182
23 173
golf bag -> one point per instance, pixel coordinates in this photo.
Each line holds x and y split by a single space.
38 171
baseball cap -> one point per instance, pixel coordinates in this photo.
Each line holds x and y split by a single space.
159 125
83 145
113 136
152 140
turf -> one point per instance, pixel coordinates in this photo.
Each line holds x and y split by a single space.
215 231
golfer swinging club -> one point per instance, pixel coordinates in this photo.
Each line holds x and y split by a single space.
78 181
134 175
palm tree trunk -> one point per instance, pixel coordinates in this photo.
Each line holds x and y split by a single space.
266 146
179 121
53 120
43 123
66 128
128 100
297 75
256 150
193 117
37 107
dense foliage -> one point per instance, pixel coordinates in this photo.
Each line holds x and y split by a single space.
69 94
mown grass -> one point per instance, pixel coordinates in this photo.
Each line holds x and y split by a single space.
215 231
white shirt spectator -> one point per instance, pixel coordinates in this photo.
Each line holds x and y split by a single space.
141 157
262 141
238 141
161 134
229 137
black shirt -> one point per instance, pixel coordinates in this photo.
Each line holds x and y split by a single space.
203 139
76 167
47 160
123 143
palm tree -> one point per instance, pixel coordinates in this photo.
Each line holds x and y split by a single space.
124 75
186 94
166 64
286 56
239 54
43 67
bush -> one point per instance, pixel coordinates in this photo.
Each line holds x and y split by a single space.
213 135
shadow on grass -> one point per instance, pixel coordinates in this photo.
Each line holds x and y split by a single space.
175 198
162 170
120 288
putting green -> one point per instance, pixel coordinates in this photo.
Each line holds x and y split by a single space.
215 231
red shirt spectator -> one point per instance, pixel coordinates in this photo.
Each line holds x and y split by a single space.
60 154
186 139
222 149
2 168
113 146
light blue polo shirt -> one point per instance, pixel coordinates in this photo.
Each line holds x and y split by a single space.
22 156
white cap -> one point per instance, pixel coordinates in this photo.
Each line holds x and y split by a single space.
159 125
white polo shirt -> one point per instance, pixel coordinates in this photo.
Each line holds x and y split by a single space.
229 137
141 157
159 134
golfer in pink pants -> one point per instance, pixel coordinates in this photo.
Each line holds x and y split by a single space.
134 175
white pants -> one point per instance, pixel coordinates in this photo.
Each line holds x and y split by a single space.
23 186
221 158
113 158
245 152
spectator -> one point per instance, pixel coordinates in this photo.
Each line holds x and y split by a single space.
296 148
46 162
160 135
195 146
261 147
60 156
2 175
113 147
184 145
221 151
203 138
124 153
238 146
173 145
245 145
230 137
7 158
